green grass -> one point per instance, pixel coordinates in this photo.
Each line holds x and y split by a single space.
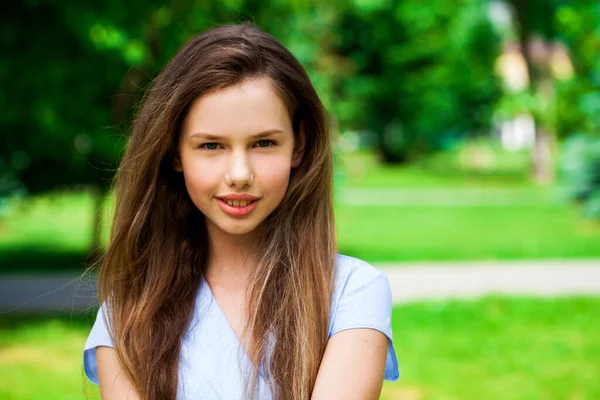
498 348
457 168
494 348
533 222
452 233
48 233
41 358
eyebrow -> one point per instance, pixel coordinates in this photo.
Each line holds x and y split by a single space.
209 136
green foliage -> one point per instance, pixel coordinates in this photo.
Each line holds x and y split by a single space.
579 22
72 73
579 109
420 72
53 115
580 165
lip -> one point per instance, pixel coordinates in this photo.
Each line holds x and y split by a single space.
237 211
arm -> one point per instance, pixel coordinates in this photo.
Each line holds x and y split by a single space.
114 385
353 366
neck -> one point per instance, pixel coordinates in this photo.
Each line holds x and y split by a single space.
231 258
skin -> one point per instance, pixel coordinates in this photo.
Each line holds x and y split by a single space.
239 162
236 163
352 367
114 385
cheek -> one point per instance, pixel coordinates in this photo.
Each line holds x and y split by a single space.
200 179
274 174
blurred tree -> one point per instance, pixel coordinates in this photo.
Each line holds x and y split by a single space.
537 34
73 71
580 167
578 23
563 94
56 127
422 72
417 73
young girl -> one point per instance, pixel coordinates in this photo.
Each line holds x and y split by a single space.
222 278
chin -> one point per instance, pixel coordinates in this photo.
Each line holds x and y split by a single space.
239 231
237 228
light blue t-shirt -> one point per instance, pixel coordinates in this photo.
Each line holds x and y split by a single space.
212 362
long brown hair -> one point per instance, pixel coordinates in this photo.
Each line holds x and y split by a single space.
158 247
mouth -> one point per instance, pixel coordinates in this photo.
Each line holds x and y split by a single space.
237 208
237 203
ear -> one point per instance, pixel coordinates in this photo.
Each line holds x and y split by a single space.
299 145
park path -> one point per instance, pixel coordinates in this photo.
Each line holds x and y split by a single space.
68 293
468 280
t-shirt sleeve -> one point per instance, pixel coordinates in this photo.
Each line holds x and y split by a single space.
366 302
99 336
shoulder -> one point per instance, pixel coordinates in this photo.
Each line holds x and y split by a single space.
354 271
361 294
362 298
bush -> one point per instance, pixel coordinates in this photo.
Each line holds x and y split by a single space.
580 168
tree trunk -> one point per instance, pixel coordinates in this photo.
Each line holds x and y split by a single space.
543 164
540 81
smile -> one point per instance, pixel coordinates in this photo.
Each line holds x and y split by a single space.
237 208
238 203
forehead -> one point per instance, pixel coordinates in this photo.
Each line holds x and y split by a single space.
249 107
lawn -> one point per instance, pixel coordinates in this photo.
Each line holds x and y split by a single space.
40 358
498 348
446 207
481 164
493 348
412 233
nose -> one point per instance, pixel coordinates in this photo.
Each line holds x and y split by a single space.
239 172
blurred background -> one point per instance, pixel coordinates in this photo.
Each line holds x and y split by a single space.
467 133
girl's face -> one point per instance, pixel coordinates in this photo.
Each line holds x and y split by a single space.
238 141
